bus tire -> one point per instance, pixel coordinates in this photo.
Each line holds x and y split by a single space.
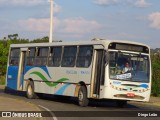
30 90
121 103
82 97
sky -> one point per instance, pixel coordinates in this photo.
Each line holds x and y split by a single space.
75 20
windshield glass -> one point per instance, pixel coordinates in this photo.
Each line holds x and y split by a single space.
128 66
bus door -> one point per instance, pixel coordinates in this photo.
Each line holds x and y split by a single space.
21 68
97 71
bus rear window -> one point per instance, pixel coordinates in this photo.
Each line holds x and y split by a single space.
14 56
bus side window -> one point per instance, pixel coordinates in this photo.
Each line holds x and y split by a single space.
55 56
14 62
31 56
69 56
41 58
84 58
14 56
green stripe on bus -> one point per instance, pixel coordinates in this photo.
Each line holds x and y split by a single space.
48 82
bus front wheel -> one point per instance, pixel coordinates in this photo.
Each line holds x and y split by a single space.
82 97
121 103
30 90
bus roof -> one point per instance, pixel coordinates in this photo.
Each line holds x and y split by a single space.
92 42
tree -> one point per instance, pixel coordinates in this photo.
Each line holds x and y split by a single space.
155 74
13 36
40 40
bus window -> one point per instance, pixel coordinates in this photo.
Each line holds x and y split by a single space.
41 58
84 56
14 56
31 56
55 56
69 56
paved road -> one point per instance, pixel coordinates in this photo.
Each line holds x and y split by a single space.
68 104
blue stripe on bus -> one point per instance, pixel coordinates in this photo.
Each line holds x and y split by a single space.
13 71
144 85
13 74
12 84
62 89
12 77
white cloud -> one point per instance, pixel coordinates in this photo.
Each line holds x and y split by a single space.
80 25
27 3
76 26
57 8
137 3
155 20
35 24
22 2
106 2
142 3
30 3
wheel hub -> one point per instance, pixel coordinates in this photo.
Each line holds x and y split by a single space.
29 90
80 96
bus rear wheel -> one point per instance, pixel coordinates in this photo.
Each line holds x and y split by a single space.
30 90
82 97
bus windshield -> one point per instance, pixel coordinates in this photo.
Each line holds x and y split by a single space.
129 67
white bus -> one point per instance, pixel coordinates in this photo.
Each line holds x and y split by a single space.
97 69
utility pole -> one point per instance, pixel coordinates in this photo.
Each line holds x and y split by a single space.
51 22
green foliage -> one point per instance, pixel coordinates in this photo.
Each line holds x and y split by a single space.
155 74
44 39
2 80
4 48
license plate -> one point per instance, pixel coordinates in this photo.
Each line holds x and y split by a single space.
130 95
